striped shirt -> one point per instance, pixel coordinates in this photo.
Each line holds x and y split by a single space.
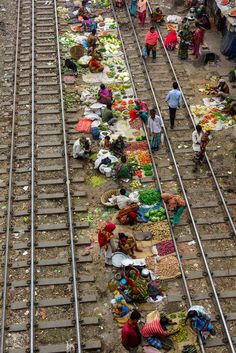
153 328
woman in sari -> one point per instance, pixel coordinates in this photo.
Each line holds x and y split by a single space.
158 16
94 65
185 38
142 9
197 40
106 241
128 215
142 108
171 40
175 204
104 95
123 170
133 7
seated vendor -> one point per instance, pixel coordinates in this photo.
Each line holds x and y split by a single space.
123 169
106 143
175 204
222 89
92 40
121 310
142 109
157 335
104 95
127 245
107 115
94 65
201 321
118 146
123 199
82 148
158 16
128 215
83 12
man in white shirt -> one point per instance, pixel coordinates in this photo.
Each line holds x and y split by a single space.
123 199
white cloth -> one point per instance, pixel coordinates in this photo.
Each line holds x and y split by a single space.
201 311
78 150
122 201
196 139
155 125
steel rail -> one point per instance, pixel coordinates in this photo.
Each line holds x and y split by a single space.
32 220
71 228
194 125
9 202
158 182
204 258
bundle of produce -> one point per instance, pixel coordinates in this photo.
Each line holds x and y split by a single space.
156 215
144 157
149 196
165 247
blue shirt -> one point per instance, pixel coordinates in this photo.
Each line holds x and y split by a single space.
174 98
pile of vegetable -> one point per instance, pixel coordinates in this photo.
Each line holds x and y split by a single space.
159 230
149 196
110 42
136 124
164 267
135 184
97 181
181 335
144 157
63 13
71 99
156 215
165 247
68 39
135 146
148 171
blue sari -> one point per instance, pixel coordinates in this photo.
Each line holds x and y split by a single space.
133 7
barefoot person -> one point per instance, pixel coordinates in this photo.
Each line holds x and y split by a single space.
127 245
106 242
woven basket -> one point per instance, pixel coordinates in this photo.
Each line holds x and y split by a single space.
77 51
107 195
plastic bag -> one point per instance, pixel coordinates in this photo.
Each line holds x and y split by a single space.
162 139
145 53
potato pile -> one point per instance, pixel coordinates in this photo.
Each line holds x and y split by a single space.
159 230
165 267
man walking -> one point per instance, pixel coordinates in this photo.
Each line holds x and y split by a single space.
130 334
174 100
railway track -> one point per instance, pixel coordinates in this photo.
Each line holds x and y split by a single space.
208 271
45 279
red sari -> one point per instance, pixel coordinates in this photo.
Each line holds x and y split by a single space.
171 40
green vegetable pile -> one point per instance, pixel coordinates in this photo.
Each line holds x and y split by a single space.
71 99
148 170
156 215
141 138
181 335
97 181
189 348
149 196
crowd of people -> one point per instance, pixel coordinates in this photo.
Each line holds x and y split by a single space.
156 332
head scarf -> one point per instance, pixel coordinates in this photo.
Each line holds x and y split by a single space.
105 234
110 227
